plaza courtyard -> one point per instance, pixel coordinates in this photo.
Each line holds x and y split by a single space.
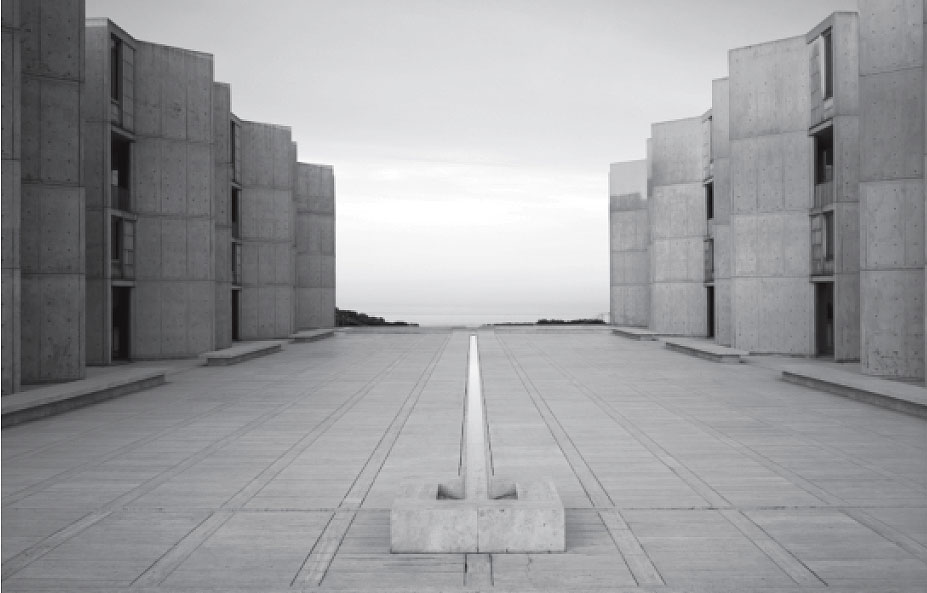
278 474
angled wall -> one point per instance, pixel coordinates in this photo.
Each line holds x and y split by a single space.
315 246
173 168
267 232
221 212
629 241
770 197
720 224
678 226
891 186
51 235
11 195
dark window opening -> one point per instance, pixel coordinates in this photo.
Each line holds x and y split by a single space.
115 239
710 200
711 312
824 156
827 65
235 213
236 312
120 323
115 69
828 239
824 318
120 164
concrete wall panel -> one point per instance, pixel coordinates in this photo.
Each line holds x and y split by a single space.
892 220
173 178
891 35
174 319
679 308
893 328
630 305
173 248
62 21
760 302
677 151
60 132
199 86
846 316
148 245
199 249
199 180
769 88
892 131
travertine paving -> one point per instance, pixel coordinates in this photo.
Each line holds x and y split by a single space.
277 474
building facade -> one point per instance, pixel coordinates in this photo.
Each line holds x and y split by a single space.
812 173
141 218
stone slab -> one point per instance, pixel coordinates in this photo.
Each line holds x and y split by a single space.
901 397
242 352
706 350
61 397
635 333
311 335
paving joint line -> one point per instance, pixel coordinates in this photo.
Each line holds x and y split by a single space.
586 477
635 557
888 532
318 562
797 570
690 478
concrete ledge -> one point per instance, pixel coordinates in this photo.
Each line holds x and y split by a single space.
532 519
241 352
901 397
311 335
54 399
635 333
705 349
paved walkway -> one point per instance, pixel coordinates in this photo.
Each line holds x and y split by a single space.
277 474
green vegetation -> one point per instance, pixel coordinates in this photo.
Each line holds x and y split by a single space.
348 318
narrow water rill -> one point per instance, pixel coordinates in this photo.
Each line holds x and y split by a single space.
477 512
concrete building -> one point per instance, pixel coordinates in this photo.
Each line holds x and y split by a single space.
43 194
191 214
812 170
629 240
891 186
678 303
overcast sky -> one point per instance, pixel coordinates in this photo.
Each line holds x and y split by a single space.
470 138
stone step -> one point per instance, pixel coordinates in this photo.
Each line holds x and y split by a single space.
241 352
894 395
47 400
705 349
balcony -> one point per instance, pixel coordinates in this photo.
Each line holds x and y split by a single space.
823 194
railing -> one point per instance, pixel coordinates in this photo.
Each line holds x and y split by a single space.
824 194
120 198
709 260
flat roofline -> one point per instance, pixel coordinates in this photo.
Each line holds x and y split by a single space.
767 43
106 22
697 118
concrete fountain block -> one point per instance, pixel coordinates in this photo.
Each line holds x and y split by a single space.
532 520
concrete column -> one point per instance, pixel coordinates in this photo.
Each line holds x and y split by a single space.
678 227
12 188
891 186
629 242
51 234
315 246
772 307
268 162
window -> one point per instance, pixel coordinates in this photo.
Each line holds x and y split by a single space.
115 69
710 201
235 150
115 239
827 65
